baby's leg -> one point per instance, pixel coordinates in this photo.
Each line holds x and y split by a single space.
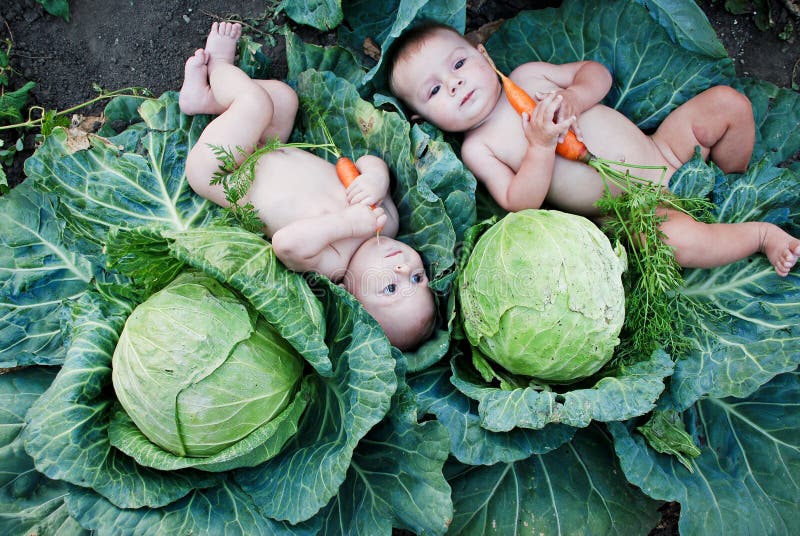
719 120
703 245
196 96
248 110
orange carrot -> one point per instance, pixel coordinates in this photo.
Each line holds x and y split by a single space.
347 171
571 148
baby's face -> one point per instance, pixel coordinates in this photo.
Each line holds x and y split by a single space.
389 280
447 81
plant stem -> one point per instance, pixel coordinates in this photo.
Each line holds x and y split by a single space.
132 91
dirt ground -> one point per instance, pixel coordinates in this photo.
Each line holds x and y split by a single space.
121 43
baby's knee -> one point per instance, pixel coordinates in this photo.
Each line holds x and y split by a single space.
732 100
285 94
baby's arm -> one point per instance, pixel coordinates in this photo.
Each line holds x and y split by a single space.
301 244
581 85
528 187
571 89
372 186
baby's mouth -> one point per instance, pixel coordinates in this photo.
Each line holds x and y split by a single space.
393 253
467 97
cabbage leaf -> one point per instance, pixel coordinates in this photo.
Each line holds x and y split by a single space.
572 490
35 284
745 479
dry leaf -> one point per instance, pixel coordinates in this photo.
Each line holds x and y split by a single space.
481 35
366 126
372 49
79 130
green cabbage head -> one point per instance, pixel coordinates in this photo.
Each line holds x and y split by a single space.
198 371
541 295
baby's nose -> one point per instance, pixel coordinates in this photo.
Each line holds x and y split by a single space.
454 83
401 268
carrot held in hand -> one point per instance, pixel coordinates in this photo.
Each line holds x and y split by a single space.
571 148
347 172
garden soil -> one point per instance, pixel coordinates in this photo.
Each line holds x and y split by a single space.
120 43
115 44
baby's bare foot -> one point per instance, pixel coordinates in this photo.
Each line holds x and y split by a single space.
781 248
195 96
221 41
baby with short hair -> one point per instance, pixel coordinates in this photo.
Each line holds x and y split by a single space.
446 80
315 224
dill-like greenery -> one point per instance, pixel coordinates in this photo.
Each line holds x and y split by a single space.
655 309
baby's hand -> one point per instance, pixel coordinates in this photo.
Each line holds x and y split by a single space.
571 106
540 127
364 221
369 189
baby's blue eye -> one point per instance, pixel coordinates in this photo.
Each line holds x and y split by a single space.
390 289
459 64
435 90
416 278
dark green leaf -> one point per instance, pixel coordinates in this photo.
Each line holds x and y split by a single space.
39 272
746 479
575 489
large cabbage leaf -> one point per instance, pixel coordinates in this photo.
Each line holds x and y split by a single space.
126 182
686 24
615 394
38 274
471 443
30 503
395 479
222 509
51 244
745 480
777 113
301 56
574 489
746 329
320 14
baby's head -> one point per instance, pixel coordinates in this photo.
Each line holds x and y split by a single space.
388 278
437 73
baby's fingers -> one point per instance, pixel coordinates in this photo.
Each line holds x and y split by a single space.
355 198
380 217
548 106
564 126
353 192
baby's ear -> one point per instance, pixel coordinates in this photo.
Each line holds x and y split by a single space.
416 118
